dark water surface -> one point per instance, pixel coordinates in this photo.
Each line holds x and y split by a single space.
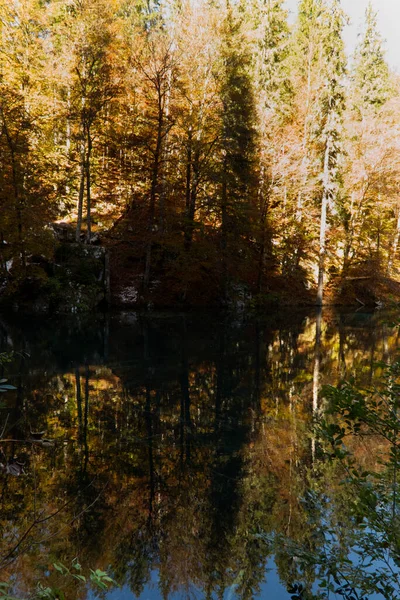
177 452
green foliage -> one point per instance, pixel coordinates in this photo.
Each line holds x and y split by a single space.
6 357
371 79
98 578
372 494
271 59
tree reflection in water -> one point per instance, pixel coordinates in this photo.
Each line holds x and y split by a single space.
183 446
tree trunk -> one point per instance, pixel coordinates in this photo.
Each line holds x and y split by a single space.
18 201
323 226
88 190
81 195
316 372
263 218
224 232
153 193
188 191
192 182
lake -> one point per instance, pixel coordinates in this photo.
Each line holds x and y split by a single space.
180 454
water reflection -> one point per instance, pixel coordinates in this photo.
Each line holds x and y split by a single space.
173 449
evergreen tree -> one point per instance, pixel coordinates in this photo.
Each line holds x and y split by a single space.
273 81
237 176
371 79
274 95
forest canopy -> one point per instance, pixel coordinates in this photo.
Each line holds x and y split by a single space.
214 149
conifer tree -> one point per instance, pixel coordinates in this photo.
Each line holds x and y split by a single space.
273 82
237 173
371 79
370 147
274 94
306 52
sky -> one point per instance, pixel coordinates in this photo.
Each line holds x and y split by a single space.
388 22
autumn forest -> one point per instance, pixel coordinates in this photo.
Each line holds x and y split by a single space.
208 152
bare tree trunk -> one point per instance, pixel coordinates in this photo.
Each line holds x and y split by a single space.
164 107
68 126
192 183
153 191
323 227
88 190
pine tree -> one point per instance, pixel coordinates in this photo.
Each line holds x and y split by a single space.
272 76
371 78
274 95
237 173
306 57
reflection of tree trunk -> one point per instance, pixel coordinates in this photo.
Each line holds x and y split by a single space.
18 421
257 370
316 373
342 343
185 421
78 401
149 429
148 420
220 380
372 357
85 422
83 416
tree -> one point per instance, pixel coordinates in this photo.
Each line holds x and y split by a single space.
238 141
331 107
197 130
370 77
155 65
274 96
88 86
28 177
306 57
